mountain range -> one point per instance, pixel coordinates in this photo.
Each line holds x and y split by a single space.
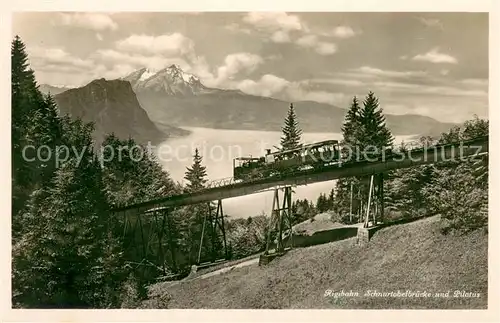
174 99
179 97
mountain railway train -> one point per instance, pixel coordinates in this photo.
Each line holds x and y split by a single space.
316 155
323 154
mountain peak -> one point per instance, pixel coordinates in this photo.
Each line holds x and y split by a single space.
177 72
175 66
147 73
171 80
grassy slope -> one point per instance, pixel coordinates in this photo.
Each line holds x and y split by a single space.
412 256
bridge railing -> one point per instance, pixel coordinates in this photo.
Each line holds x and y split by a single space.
220 182
415 144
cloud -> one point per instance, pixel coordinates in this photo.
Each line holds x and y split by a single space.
93 21
174 44
434 56
475 82
311 41
280 25
334 81
444 72
236 28
68 76
341 32
116 71
429 89
113 57
280 36
268 85
44 58
273 86
372 71
71 70
99 37
344 32
237 63
431 22
200 67
325 48
307 41
273 21
297 93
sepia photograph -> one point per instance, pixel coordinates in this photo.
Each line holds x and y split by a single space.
249 160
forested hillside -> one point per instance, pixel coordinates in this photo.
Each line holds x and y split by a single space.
68 249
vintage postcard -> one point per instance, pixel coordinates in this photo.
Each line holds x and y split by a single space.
297 159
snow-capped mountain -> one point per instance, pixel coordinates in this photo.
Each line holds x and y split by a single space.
171 80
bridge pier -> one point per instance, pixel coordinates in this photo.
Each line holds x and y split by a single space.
216 228
148 238
280 220
375 204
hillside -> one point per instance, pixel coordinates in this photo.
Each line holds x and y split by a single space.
413 256
113 107
180 99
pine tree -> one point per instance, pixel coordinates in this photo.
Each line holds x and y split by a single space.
291 131
374 134
363 127
374 131
68 256
20 106
351 139
196 175
331 199
19 61
312 210
35 122
341 205
53 122
352 125
130 179
23 85
322 203
44 129
196 215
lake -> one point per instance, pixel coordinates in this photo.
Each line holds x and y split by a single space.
218 149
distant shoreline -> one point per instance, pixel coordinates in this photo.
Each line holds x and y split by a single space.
177 130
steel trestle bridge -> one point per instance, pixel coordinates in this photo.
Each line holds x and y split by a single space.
281 214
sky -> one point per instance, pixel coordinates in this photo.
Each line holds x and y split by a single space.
433 64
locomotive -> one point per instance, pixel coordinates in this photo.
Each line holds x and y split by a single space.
304 157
